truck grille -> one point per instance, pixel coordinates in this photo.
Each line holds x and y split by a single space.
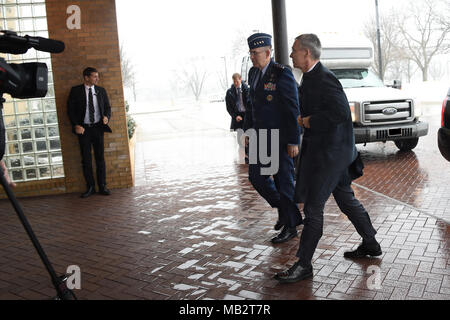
407 132
387 112
394 132
382 134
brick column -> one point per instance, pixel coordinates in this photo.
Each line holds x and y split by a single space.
96 45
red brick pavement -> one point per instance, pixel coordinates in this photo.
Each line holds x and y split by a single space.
196 229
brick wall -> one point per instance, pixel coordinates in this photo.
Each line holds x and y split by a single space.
96 45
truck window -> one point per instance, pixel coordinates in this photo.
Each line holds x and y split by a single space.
357 78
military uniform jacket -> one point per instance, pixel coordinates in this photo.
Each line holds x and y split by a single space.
328 147
273 104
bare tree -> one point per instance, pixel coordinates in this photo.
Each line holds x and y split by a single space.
445 21
174 85
390 53
193 76
239 47
128 74
402 68
410 69
396 70
423 32
436 70
223 81
222 73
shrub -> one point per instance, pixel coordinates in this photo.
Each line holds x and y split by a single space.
131 124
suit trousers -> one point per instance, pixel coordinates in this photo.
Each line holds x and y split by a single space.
279 191
93 136
313 223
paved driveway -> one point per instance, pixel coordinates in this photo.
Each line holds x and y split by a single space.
194 228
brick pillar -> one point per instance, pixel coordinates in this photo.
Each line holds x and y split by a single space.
96 45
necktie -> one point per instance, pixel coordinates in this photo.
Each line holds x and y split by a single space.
241 102
257 77
91 107
238 99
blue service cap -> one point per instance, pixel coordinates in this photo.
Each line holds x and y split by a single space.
258 40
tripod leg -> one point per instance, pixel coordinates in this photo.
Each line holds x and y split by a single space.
63 292
8 179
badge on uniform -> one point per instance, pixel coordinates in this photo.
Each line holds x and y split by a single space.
270 86
269 98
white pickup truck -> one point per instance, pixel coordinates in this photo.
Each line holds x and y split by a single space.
379 113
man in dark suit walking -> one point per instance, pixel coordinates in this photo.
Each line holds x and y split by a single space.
89 112
328 149
273 106
236 101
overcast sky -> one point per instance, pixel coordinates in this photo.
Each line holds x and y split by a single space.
159 35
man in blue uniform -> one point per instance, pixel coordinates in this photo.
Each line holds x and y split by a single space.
272 106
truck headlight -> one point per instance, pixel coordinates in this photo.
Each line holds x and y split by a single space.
418 112
353 106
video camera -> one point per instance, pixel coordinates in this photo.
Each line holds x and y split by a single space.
24 80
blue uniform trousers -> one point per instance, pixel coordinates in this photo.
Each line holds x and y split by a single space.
279 191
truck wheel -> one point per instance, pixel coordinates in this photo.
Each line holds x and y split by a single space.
406 144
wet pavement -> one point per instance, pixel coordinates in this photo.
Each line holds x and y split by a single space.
194 228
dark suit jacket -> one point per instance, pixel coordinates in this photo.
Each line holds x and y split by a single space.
230 100
76 106
273 104
328 147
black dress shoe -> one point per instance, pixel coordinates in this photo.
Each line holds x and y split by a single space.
364 250
104 191
299 220
285 235
278 225
294 274
89 191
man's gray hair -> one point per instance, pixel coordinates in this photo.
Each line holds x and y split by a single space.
310 41
267 48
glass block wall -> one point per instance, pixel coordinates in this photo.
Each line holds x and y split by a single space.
33 148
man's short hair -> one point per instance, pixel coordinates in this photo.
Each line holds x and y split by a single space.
310 41
87 72
236 76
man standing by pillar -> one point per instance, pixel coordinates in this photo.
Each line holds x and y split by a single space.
273 106
89 112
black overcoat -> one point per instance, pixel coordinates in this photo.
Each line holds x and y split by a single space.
328 147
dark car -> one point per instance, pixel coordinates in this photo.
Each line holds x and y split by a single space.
444 130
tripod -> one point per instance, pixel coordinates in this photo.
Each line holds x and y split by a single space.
63 293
